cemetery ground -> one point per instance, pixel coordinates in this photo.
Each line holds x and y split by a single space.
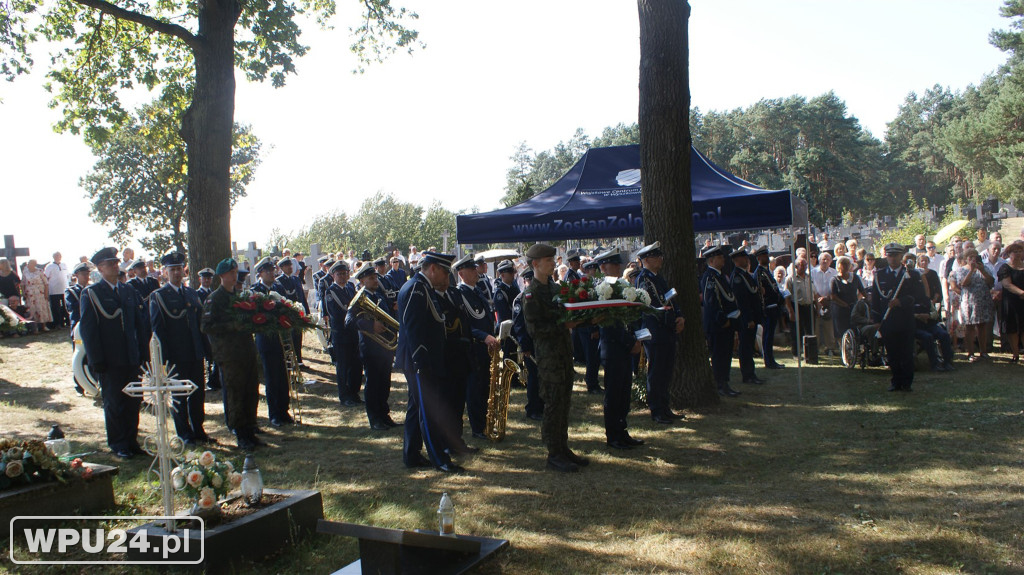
847 478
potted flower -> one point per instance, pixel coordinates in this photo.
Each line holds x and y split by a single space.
205 481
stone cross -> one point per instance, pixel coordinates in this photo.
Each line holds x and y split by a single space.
11 253
252 255
159 387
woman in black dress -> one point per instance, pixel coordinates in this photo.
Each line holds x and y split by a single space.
846 290
1012 277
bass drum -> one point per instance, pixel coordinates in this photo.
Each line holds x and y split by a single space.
80 367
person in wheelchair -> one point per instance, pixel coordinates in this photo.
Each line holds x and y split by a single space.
928 330
866 332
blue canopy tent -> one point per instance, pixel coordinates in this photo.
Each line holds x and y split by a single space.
600 198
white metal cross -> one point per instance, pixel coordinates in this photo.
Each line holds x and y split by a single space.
159 387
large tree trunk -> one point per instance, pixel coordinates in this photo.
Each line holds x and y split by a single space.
665 164
206 130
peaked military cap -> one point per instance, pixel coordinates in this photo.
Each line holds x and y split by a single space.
480 259
366 269
612 256
339 266
761 251
225 265
649 251
206 273
285 262
323 259
137 263
104 255
712 251
443 260
466 261
591 264
894 249
242 274
536 252
263 264
527 274
507 266
380 262
82 267
738 252
572 255
173 259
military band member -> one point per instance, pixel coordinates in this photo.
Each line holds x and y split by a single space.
235 353
505 291
275 373
484 283
572 257
203 291
375 358
205 284
553 351
434 366
590 336
664 329
294 290
73 303
771 296
318 275
748 300
325 282
534 403
174 311
720 315
344 339
242 280
481 324
892 305
115 331
142 282
618 346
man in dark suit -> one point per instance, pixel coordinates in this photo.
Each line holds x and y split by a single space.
115 331
748 299
434 362
484 283
174 311
534 402
374 356
292 288
142 283
73 303
205 283
720 314
481 324
892 305
772 299
275 373
664 329
344 339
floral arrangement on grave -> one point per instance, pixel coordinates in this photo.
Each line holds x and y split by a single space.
31 462
205 480
11 323
610 300
267 313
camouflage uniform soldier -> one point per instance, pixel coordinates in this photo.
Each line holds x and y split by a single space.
553 350
235 354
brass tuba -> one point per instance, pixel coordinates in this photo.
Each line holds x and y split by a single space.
502 373
388 339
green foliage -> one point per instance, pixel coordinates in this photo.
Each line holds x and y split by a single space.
919 222
15 36
137 185
533 173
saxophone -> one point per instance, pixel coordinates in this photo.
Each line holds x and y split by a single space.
501 373
295 379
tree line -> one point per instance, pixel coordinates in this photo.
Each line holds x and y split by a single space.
943 147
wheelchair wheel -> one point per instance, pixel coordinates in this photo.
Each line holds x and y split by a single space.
849 348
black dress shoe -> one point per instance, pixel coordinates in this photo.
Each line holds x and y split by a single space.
755 380
137 450
418 461
379 426
673 415
535 416
893 388
724 389
350 403
595 390
451 468
619 444
776 366
256 440
633 440
246 444
464 450
577 459
562 464
276 423
288 419
206 439
190 442
391 422
479 435
662 419
124 454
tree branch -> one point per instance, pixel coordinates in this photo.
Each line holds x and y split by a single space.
148 21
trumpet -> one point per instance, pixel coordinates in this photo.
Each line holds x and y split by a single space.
388 339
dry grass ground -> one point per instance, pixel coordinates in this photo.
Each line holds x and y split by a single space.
845 479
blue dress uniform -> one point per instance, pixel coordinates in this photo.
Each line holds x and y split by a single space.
719 314
504 295
590 337
617 343
115 331
748 299
212 373
73 303
534 402
661 348
579 353
481 325
484 282
375 358
897 328
146 285
344 340
773 302
293 289
275 374
429 358
175 314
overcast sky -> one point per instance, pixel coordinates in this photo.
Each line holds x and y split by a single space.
441 124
